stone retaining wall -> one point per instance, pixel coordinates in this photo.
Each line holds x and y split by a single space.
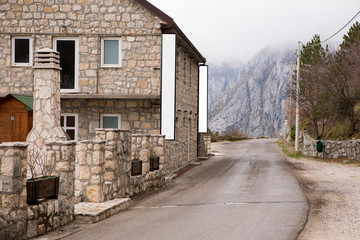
333 148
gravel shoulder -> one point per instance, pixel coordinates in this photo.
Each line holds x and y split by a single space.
333 191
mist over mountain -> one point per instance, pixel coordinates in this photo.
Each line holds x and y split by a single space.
254 103
221 77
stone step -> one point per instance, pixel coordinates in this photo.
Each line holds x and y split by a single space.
195 163
90 212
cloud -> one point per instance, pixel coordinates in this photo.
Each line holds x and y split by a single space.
239 29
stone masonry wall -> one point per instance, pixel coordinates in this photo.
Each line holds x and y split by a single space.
89 171
204 144
88 21
19 220
103 169
184 148
117 161
333 148
13 209
143 146
140 116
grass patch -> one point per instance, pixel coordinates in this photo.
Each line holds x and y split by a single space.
289 150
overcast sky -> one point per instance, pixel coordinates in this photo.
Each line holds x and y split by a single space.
237 29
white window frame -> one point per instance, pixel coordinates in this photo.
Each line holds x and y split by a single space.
110 115
30 51
119 53
76 80
76 115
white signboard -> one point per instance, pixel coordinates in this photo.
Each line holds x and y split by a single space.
203 98
168 86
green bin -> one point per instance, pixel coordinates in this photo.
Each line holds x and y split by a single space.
320 146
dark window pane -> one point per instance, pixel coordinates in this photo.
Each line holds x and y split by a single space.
22 49
110 122
66 48
70 121
62 121
71 133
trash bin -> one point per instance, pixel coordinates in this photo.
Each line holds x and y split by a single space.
320 146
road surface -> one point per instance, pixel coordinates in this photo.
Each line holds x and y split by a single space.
247 193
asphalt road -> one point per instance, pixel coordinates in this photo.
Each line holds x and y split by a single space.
249 193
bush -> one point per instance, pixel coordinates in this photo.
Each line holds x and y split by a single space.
228 135
292 132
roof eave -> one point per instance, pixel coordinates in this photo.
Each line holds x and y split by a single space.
170 24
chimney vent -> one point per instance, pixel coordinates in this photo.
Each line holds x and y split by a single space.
47 58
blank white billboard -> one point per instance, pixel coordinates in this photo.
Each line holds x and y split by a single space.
168 77
203 98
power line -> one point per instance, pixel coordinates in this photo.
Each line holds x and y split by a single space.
356 15
352 19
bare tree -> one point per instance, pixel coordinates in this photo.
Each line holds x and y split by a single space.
38 164
313 96
344 82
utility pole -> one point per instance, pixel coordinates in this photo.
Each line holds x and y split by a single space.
291 80
297 100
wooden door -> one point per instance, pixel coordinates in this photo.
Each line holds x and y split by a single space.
14 127
5 127
19 127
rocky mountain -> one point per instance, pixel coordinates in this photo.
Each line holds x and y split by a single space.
256 102
221 77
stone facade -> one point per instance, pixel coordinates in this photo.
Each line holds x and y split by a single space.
184 148
132 90
333 148
139 116
88 21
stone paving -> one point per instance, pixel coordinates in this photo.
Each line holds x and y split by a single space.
89 212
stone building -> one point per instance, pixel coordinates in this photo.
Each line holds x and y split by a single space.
111 55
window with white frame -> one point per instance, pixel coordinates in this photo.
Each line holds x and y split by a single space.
21 51
69 122
111 52
69 62
110 121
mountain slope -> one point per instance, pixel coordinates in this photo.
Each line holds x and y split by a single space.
255 103
221 77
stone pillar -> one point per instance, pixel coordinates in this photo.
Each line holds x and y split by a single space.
124 153
13 174
157 148
89 170
46 123
112 162
13 214
62 155
204 145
